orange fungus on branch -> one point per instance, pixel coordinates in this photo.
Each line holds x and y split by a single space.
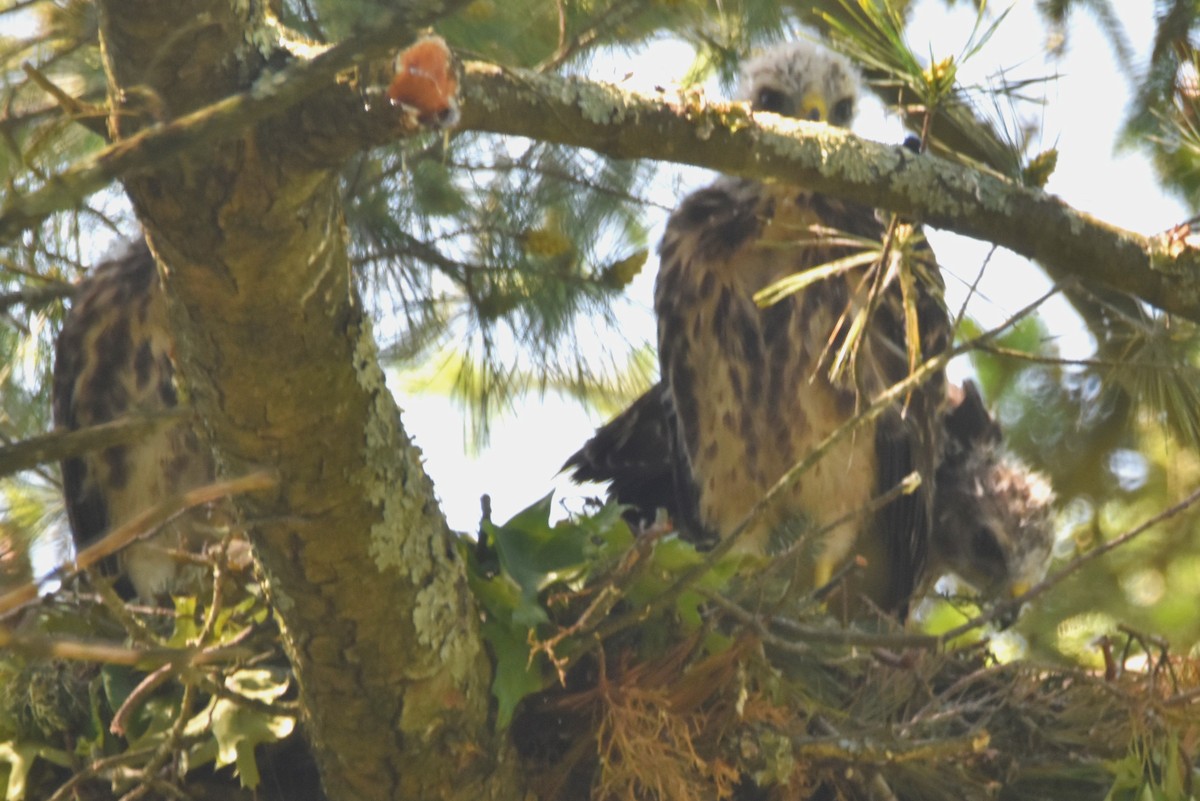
425 81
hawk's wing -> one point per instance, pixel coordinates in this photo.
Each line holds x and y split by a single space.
631 453
910 437
97 353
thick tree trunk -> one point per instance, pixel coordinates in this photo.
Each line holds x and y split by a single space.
278 358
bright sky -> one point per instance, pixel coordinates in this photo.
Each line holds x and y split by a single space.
1085 105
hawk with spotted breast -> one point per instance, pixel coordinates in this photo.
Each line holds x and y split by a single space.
114 357
982 513
748 391
993 515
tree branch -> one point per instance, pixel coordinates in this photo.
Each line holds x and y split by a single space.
280 362
140 525
58 445
164 143
1163 270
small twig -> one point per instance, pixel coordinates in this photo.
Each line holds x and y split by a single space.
169 745
880 789
1148 643
936 706
65 648
133 702
142 525
849 636
146 522
215 605
898 752
852 565
754 623
614 14
96 769
37 296
85 650
908 485
74 108
1012 353
138 631
1184 698
1071 567
882 403
607 594
59 445
973 288
160 786
805 635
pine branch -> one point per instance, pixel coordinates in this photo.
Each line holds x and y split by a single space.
1162 270
230 117
59 445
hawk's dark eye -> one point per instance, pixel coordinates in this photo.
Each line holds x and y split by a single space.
771 100
986 547
842 111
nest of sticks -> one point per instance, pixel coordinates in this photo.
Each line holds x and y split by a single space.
805 708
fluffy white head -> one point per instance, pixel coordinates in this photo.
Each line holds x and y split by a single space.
802 79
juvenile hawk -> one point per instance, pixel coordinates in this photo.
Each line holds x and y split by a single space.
993 515
114 357
747 392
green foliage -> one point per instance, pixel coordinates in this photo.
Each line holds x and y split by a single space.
926 92
1058 12
57 713
1115 437
488 246
488 263
237 729
672 560
493 249
60 52
544 588
1156 769
513 569
1156 359
1165 118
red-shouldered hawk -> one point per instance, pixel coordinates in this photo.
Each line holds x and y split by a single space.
748 391
993 516
114 357
993 520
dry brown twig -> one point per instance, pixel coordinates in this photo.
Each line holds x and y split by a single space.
142 525
1058 576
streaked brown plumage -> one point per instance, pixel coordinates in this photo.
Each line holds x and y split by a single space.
749 388
993 514
114 357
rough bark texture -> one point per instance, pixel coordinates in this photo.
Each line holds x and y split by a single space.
1163 270
280 363
1032 223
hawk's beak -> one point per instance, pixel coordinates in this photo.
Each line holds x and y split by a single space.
813 108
